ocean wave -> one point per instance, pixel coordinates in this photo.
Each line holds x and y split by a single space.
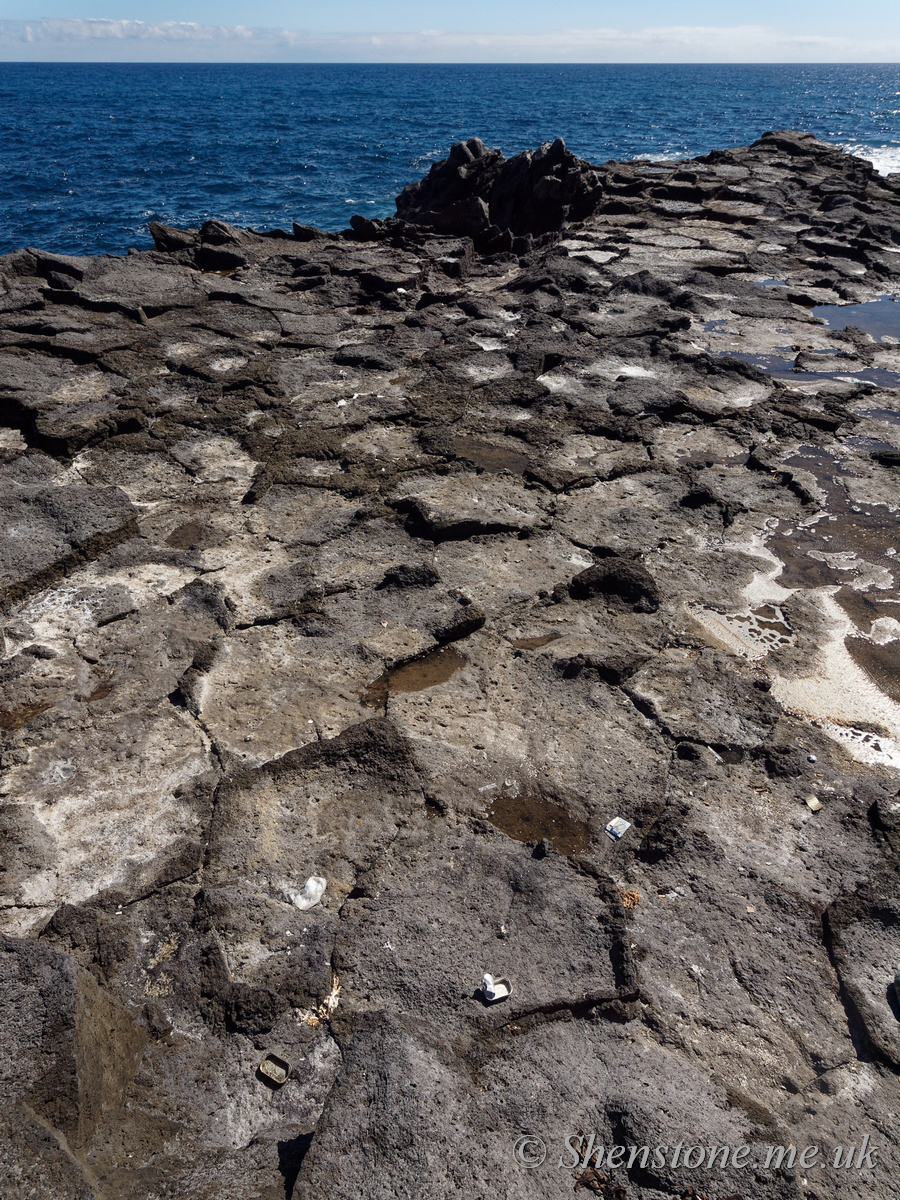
885 159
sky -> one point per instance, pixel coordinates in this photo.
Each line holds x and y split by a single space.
438 31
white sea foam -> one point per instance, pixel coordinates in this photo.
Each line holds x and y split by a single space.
885 159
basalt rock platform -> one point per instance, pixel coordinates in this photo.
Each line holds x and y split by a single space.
410 557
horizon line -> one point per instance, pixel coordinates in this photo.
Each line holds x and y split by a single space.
321 62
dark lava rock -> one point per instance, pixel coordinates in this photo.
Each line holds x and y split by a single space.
619 579
478 193
409 558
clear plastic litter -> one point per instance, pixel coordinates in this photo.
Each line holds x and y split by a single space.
310 894
495 989
617 828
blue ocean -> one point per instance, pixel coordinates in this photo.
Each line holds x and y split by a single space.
89 153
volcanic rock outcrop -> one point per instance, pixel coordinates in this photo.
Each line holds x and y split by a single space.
410 558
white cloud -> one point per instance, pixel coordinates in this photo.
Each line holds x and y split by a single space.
64 30
64 39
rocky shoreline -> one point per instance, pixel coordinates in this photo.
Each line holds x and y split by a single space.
409 558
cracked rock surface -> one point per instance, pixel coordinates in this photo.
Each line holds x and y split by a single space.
410 557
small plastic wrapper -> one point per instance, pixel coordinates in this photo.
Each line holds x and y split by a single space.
495 989
309 895
617 828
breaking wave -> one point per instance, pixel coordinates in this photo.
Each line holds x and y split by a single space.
885 159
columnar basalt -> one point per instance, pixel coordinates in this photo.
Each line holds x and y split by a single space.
410 557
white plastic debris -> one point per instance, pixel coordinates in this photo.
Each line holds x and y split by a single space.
495 989
310 894
617 828
813 803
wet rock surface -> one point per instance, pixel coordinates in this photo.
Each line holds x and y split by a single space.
410 557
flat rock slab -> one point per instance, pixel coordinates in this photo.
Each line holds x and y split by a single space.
501 1095
433 924
688 696
461 507
47 531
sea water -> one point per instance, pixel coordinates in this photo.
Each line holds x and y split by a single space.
89 153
